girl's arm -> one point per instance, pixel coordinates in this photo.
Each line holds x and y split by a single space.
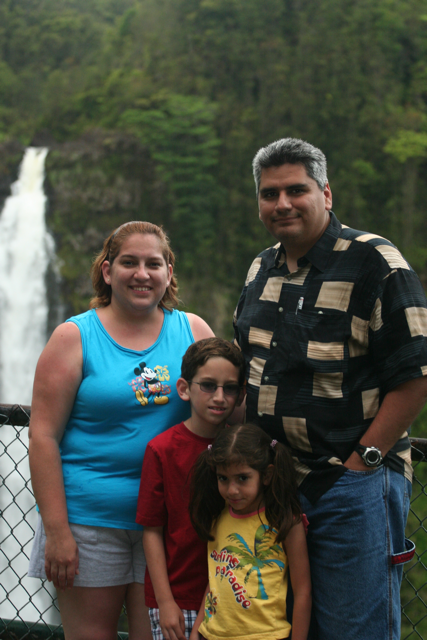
58 376
171 618
195 635
299 570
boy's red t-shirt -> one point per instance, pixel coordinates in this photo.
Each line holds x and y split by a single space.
164 496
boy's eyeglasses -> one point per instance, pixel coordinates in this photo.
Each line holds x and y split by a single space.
232 390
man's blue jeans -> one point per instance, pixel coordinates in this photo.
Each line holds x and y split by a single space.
355 528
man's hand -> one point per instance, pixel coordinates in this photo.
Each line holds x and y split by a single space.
172 621
355 463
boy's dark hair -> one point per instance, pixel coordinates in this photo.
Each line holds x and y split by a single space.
200 352
249 445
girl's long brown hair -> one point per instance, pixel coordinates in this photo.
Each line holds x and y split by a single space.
245 444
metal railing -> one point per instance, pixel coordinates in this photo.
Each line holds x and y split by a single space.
28 607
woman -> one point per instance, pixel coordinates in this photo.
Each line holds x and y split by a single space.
104 387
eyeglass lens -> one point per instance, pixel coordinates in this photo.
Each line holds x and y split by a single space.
211 387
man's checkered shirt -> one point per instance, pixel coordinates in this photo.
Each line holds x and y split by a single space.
325 344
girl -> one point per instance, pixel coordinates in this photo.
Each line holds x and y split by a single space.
244 502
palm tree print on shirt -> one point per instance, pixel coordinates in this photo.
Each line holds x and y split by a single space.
210 606
259 558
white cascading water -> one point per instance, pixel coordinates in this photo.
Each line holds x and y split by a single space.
26 250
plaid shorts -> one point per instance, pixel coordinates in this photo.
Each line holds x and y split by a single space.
189 618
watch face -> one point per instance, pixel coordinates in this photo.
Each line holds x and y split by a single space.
372 457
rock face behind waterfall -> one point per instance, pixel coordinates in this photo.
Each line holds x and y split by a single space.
11 154
92 184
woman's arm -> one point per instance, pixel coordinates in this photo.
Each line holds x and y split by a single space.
58 376
299 570
199 327
171 618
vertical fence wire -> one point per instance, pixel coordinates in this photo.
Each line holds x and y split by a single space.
414 584
28 607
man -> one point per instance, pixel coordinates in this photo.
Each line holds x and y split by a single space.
333 323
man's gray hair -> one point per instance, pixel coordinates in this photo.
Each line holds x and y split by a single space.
291 151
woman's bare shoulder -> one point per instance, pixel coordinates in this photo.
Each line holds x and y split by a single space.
199 327
58 376
62 356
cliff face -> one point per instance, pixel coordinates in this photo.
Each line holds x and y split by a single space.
94 184
11 154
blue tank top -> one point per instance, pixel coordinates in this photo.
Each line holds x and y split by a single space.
125 399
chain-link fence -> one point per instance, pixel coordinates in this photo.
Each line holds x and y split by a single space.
28 607
414 585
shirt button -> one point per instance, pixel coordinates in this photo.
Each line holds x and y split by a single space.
280 309
266 378
288 278
274 344
260 414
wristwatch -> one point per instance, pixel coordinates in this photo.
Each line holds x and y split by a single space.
371 456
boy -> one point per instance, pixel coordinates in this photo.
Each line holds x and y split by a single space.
212 380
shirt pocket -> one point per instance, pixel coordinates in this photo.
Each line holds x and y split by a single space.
320 357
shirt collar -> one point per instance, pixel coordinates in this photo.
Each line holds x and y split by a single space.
274 256
320 253
317 255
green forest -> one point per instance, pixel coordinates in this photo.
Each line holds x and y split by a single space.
154 109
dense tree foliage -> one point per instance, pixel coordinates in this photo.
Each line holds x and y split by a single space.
202 84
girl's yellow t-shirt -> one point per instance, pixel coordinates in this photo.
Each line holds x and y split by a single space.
247 579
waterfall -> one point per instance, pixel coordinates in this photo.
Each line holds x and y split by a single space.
26 254
26 249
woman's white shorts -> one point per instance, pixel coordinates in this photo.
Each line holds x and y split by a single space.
107 557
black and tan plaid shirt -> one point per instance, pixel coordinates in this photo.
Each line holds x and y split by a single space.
324 344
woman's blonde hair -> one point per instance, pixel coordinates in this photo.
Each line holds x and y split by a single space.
110 251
